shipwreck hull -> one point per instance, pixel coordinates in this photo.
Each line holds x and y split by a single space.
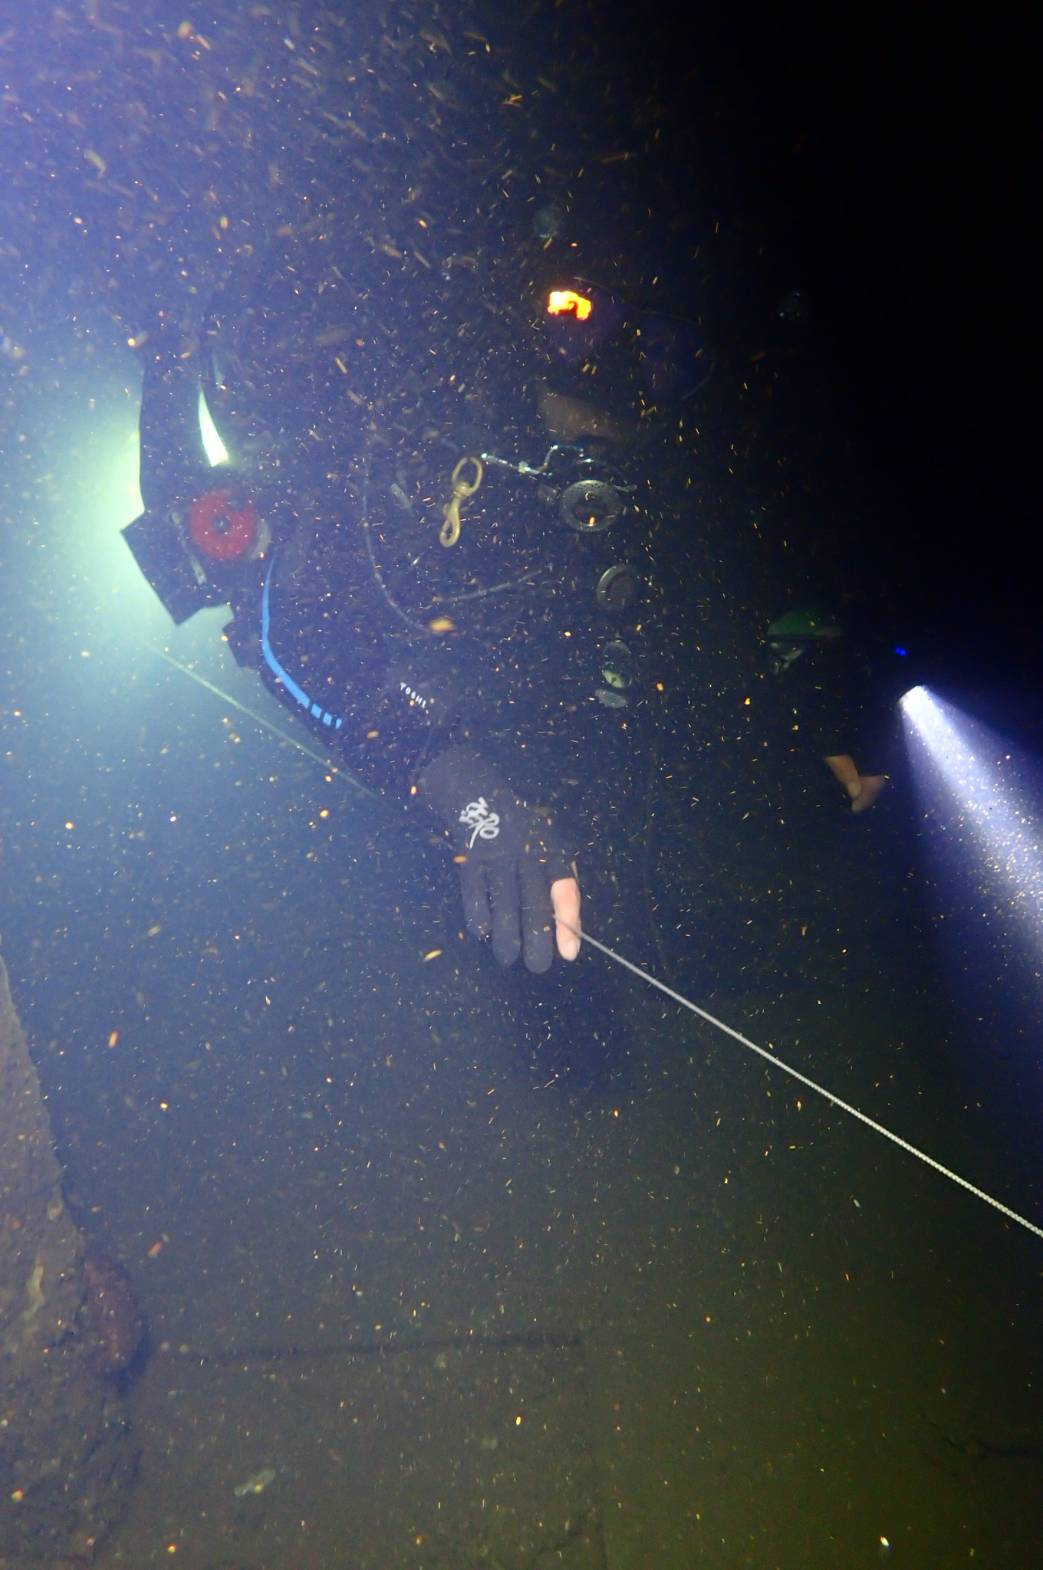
67 1459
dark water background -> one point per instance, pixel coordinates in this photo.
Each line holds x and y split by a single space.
739 1329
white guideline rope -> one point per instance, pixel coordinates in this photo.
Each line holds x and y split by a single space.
820 1090
268 725
644 975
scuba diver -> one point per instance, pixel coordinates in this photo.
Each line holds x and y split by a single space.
827 691
434 535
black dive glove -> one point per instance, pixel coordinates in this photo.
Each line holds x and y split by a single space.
508 856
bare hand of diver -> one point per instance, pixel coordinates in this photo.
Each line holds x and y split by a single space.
863 789
872 785
564 896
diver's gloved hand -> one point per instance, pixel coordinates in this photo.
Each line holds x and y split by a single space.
516 879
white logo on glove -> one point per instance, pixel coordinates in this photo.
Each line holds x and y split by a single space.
485 824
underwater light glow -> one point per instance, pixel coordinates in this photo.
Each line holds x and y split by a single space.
213 446
993 817
566 302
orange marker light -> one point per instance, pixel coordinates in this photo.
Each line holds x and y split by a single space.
566 302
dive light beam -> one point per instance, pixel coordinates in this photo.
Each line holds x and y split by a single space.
989 790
